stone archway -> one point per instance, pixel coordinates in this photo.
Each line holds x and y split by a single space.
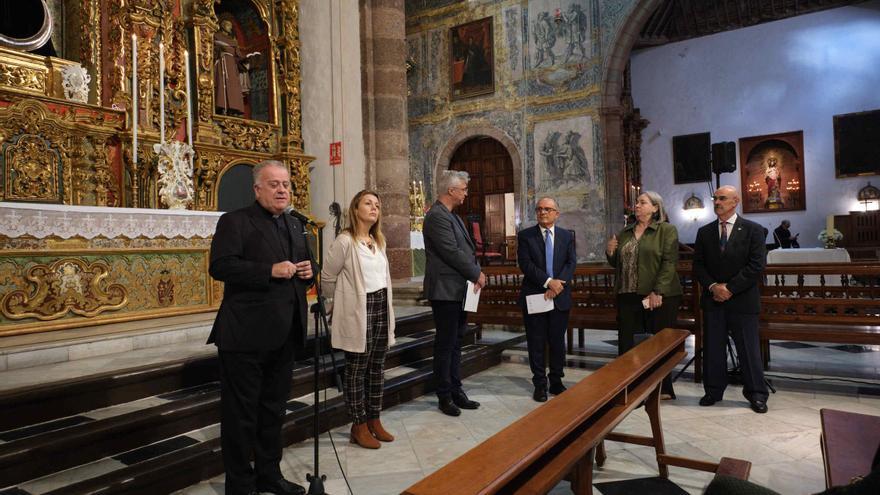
611 111
469 133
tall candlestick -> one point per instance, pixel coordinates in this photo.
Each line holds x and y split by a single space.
829 225
189 120
134 100
161 93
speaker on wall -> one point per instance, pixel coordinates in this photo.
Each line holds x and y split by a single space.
724 157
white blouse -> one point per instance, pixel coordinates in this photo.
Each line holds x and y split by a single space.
374 267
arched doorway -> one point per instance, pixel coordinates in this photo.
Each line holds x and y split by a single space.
490 200
236 188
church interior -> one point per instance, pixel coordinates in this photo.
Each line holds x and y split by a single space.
129 127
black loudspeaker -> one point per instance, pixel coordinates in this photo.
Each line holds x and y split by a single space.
724 157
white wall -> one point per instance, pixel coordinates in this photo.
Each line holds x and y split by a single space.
788 75
331 102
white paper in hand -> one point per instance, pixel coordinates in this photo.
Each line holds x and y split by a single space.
537 304
471 300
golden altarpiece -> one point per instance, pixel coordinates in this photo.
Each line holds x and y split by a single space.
86 237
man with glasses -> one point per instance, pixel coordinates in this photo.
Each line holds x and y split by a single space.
450 262
261 257
547 259
729 256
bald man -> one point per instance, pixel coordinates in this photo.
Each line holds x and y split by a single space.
729 257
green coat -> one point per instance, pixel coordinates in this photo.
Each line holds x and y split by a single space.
657 259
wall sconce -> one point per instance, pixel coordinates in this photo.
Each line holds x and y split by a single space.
870 197
693 206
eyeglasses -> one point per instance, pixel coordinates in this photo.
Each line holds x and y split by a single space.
540 209
721 198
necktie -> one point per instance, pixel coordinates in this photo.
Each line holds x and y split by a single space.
281 230
548 251
723 241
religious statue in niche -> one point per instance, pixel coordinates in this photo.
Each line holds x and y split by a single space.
772 172
230 72
565 163
773 178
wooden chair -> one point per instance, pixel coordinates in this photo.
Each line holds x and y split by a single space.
483 250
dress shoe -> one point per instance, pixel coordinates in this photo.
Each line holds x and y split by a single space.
361 435
557 388
379 431
461 400
280 486
707 400
759 406
449 408
540 394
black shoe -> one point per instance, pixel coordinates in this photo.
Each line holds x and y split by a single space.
759 406
461 400
540 394
707 400
557 388
280 486
449 408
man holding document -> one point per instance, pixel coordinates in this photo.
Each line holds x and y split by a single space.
547 259
451 269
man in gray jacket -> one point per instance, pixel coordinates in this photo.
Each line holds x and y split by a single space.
450 262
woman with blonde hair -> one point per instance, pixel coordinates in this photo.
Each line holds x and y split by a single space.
357 274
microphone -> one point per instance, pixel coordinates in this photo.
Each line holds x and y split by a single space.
299 216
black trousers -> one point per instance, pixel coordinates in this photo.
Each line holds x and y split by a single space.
450 322
718 322
633 318
546 330
254 388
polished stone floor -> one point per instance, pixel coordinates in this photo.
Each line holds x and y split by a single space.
783 445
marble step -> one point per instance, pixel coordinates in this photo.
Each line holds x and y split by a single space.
182 460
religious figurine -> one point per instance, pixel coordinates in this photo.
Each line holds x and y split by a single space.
773 178
228 95
175 174
75 81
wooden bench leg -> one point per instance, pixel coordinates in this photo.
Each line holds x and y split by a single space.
652 406
581 339
600 454
582 475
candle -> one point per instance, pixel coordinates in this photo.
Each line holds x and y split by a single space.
829 225
161 93
134 100
189 127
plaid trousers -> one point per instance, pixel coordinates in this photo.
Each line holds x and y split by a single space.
365 371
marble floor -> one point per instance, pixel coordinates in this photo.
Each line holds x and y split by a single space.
783 445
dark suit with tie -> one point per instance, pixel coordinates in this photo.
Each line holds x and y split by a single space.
259 324
450 261
739 264
549 327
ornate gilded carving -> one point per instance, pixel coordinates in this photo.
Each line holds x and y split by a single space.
90 42
23 78
67 285
31 170
207 166
204 27
289 65
245 134
299 181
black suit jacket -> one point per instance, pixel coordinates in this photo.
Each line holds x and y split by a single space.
450 255
740 265
257 312
532 262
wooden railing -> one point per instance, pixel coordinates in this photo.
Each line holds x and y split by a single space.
559 439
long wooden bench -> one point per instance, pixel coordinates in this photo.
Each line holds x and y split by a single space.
594 303
559 439
840 305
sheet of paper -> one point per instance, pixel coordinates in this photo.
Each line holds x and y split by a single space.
471 300
537 304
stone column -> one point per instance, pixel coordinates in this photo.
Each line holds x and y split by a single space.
386 138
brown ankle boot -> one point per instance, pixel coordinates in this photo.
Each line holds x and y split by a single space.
379 431
360 435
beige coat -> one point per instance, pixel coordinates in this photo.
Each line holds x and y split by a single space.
342 277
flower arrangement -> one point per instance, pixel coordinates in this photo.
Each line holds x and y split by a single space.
830 240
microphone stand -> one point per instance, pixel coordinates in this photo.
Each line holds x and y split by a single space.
316 480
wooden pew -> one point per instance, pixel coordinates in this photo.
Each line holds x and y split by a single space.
842 306
849 443
558 440
594 303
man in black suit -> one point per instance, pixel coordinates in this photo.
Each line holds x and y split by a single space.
260 255
547 259
729 256
450 262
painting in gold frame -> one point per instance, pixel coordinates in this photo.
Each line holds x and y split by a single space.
472 60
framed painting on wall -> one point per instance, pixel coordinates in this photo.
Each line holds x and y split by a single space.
857 144
472 70
772 172
690 158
